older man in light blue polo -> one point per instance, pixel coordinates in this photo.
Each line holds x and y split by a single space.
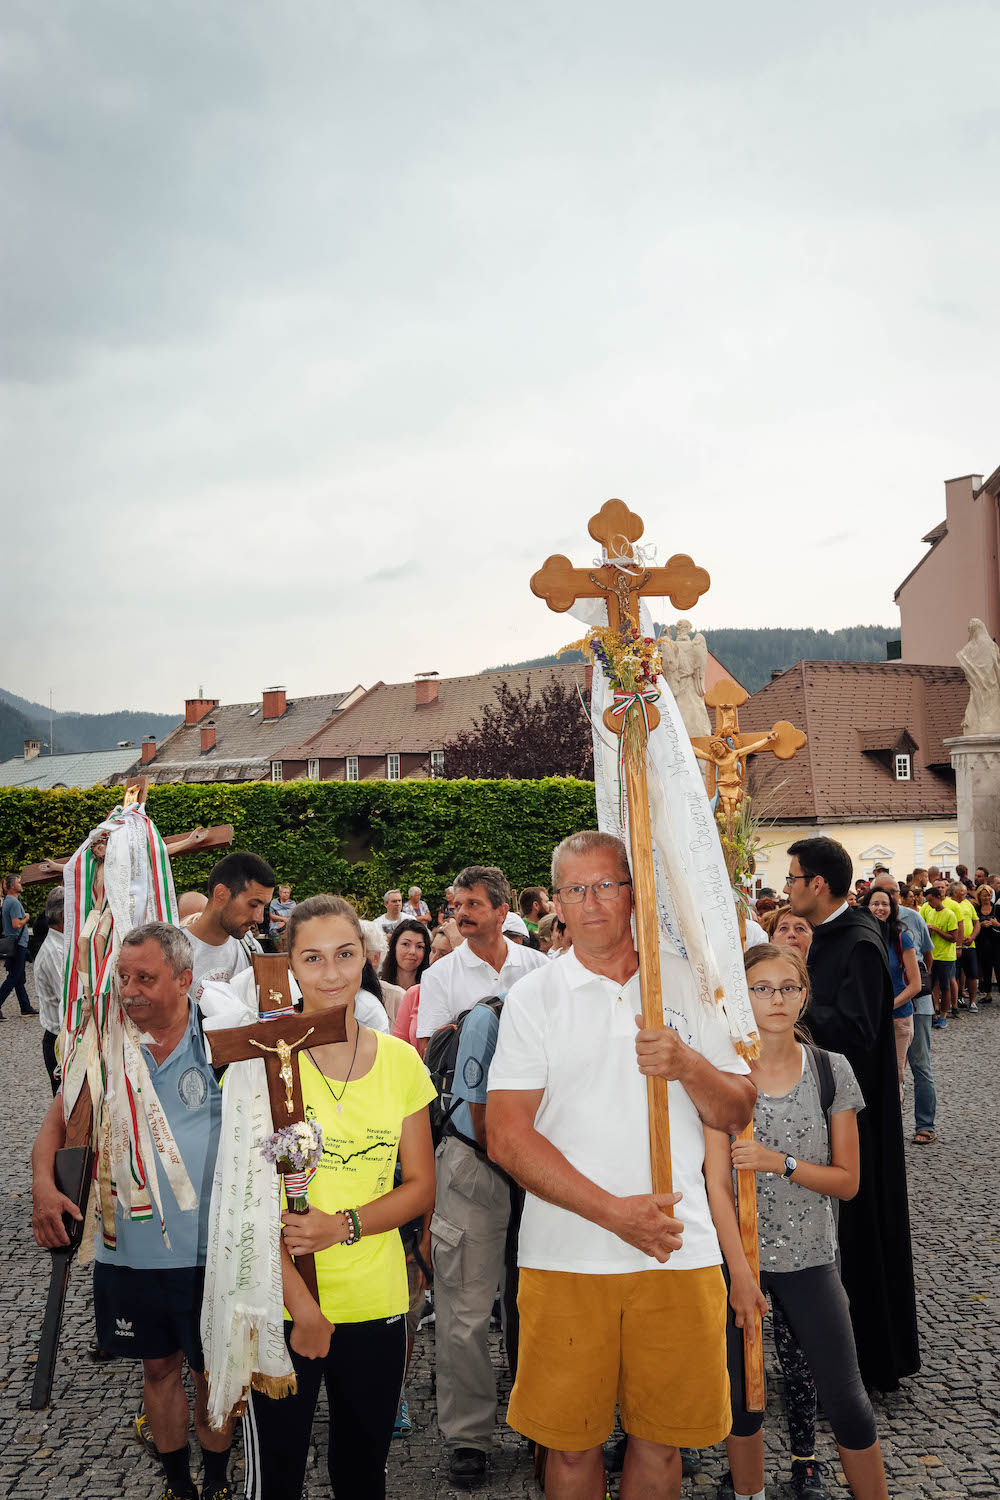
147 1298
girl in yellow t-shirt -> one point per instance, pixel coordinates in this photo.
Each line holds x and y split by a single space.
370 1095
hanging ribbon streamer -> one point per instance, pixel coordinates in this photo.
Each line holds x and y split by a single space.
621 704
631 559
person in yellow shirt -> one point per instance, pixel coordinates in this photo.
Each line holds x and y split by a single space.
943 924
370 1095
967 969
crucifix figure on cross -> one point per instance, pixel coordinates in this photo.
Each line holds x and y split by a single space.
278 1037
727 750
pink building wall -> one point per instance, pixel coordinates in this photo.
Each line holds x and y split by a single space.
957 579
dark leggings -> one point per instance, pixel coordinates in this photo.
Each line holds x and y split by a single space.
49 1058
817 1316
363 1374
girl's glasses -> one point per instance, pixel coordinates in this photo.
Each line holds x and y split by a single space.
768 991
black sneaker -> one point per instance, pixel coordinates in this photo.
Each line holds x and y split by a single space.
467 1466
807 1480
726 1490
690 1462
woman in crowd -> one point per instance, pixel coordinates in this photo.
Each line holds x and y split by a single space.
903 969
405 1024
988 941
803 1156
407 956
370 1095
376 946
790 931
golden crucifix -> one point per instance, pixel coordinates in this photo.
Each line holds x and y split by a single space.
726 751
283 1051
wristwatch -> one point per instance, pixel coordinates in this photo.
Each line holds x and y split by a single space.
790 1166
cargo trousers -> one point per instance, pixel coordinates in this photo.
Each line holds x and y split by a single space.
468 1239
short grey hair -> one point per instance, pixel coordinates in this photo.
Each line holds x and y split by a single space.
415 888
493 881
375 939
55 906
174 943
586 842
393 891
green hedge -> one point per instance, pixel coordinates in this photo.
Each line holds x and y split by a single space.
355 838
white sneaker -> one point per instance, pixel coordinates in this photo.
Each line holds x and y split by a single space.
973 1009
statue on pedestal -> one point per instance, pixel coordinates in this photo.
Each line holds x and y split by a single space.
980 661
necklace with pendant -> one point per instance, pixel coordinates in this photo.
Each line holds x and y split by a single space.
338 1097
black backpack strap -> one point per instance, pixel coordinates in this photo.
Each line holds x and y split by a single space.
822 1071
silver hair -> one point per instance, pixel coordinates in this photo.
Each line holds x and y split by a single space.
413 888
174 943
587 842
493 881
375 940
392 891
55 906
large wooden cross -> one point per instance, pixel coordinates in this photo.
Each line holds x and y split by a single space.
621 585
279 1039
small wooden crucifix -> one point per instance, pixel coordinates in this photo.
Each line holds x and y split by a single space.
278 1038
621 577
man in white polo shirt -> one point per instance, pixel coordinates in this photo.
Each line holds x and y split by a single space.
486 963
619 1301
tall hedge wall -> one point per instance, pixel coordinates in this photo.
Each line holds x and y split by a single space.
355 838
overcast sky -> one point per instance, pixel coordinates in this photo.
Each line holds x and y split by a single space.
325 323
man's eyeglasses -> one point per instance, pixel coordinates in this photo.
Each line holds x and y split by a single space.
604 890
792 878
768 991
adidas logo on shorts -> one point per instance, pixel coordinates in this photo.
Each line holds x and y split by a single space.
123 1328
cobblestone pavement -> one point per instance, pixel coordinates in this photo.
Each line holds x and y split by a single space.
941 1434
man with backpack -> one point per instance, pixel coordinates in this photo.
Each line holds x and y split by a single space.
460 1001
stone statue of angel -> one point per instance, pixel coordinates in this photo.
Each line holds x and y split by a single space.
685 658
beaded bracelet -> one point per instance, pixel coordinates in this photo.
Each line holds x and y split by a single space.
353 1225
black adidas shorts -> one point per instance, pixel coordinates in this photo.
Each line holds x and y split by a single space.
149 1314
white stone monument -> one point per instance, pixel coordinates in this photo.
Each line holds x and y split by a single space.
975 753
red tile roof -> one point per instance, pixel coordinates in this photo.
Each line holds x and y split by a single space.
855 714
388 719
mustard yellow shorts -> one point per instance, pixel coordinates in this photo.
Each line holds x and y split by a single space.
654 1341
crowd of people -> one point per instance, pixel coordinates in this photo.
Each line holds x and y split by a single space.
485 1145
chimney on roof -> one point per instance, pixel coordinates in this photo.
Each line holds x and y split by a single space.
207 737
195 709
588 678
148 748
32 748
427 688
275 704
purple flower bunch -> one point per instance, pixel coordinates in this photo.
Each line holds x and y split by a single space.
294 1148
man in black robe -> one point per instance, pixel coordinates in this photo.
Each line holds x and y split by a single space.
851 1012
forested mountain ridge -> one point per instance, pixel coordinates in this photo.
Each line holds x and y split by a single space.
753 655
20 719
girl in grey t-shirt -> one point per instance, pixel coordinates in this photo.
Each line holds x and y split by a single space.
802 1160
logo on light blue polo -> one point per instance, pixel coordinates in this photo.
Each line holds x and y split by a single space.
192 1086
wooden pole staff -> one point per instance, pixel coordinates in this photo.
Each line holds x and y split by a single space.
725 753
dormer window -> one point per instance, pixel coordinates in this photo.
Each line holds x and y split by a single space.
903 768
